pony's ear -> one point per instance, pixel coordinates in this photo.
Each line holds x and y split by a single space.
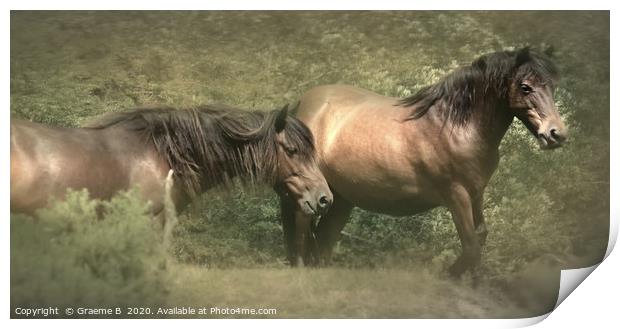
523 55
549 51
281 118
480 63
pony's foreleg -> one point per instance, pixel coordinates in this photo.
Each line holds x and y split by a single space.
460 205
305 241
479 225
287 215
330 226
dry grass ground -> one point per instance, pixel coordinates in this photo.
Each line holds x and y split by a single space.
341 293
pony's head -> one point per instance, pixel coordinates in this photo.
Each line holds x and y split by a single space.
298 174
530 98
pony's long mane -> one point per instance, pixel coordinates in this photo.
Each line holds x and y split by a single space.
456 93
210 145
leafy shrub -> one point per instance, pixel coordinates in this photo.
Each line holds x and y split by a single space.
67 256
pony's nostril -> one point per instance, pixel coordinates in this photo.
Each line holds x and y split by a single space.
323 201
556 135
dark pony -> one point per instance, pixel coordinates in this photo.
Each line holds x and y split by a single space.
204 147
197 142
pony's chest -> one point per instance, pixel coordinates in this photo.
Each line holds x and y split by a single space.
474 172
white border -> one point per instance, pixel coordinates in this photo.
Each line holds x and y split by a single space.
594 302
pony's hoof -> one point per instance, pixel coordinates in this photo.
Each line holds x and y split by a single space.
454 274
456 270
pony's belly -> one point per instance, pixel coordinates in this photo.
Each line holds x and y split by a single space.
405 207
399 199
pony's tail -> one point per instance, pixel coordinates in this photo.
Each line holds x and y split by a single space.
170 212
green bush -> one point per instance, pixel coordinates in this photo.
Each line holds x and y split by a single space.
66 256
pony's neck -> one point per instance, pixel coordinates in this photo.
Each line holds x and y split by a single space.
248 160
491 120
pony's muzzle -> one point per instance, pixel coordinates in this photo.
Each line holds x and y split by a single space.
558 135
318 204
552 138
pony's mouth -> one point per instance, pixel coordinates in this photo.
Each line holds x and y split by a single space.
309 210
548 143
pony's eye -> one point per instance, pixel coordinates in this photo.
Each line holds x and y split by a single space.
290 150
525 89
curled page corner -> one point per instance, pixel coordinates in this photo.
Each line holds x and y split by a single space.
526 322
570 279
613 235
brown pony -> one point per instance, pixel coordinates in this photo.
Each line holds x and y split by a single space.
438 147
205 147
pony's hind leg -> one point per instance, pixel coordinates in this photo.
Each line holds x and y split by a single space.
330 226
460 205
